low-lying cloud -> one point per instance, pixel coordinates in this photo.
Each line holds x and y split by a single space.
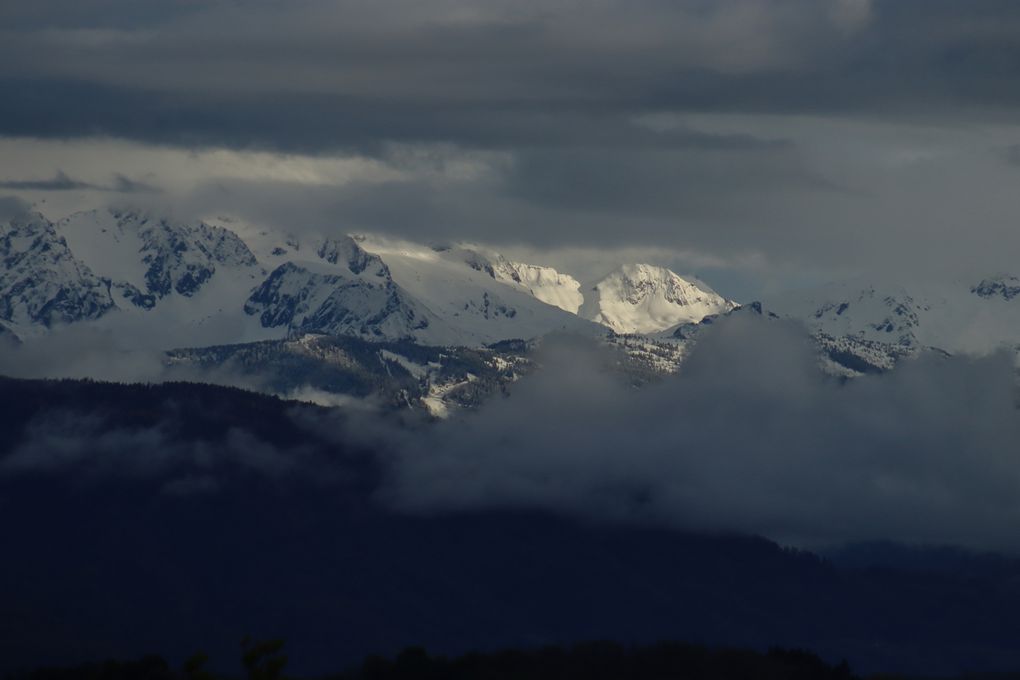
750 437
98 444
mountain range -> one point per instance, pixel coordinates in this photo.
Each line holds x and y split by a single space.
103 263
173 477
221 290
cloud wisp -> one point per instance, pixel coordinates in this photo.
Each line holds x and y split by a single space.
61 181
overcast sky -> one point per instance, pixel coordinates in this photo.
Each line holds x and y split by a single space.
753 142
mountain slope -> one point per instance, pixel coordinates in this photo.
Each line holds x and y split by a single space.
401 374
643 298
42 283
176 516
544 283
317 298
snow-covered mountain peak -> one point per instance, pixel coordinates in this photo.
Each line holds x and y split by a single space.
152 257
41 281
645 298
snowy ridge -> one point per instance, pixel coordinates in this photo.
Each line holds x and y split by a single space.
643 298
150 258
42 283
845 356
886 314
359 299
473 292
204 281
226 282
543 283
954 316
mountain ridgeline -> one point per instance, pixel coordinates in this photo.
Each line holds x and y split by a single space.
202 290
102 262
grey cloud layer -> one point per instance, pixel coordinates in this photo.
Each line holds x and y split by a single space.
316 75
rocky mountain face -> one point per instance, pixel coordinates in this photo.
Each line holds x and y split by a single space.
42 282
358 299
149 258
93 263
181 258
345 252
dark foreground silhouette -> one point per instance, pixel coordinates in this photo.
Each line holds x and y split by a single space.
266 660
169 518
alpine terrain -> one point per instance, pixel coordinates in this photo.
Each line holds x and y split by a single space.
364 314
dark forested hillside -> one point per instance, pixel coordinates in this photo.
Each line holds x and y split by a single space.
177 517
268 660
197 410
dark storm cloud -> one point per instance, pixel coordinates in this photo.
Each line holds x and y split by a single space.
326 121
326 75
59 182
569 93
751 436
62 182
